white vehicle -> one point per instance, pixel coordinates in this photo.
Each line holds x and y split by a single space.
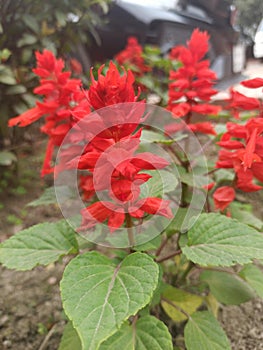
258 45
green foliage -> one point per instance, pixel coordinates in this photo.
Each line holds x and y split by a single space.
228 288
254 277
178 303
41 244
7 158
59 26
243 213
220 241
49 196
70 339
147 333
105 295
203 331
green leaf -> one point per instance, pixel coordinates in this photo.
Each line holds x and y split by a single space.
174 300
224 175
7 158
27 39
254 277
31 22
7 77
227 288
122 339
147 333
99 296
161 182
220 241
49 196
40 244
203 332
5 54
151 245
70 339
239 212
176 224
16 90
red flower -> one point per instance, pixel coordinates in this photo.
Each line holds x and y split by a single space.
75 66
27 118
112 88
99 212
223 196
244 153
132 56
254 83
191 85
62 98
204 127
238 102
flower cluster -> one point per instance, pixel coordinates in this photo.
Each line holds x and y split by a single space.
132 56
111 157
242 148
190 87
110 135
63 99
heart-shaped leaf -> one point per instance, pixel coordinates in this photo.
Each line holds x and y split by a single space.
99 296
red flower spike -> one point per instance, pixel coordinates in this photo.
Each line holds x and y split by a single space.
132 56
190 88
223 196
62 96
112 88
244 155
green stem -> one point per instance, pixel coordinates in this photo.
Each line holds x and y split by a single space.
163 244
129 225
186 271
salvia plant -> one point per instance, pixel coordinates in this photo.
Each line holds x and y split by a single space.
156 233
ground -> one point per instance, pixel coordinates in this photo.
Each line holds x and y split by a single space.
30 307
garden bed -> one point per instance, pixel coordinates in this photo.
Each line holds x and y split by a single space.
30 308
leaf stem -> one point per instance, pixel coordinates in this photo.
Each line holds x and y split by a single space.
129 225
177 252
176 307
163 244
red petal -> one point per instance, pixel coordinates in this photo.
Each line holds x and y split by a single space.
223 196
253 83
27 117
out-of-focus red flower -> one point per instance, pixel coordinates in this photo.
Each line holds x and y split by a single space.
209 186
111 88
132 57
191 86
254 83
237 103
223 196
242 151
204 127
75 66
